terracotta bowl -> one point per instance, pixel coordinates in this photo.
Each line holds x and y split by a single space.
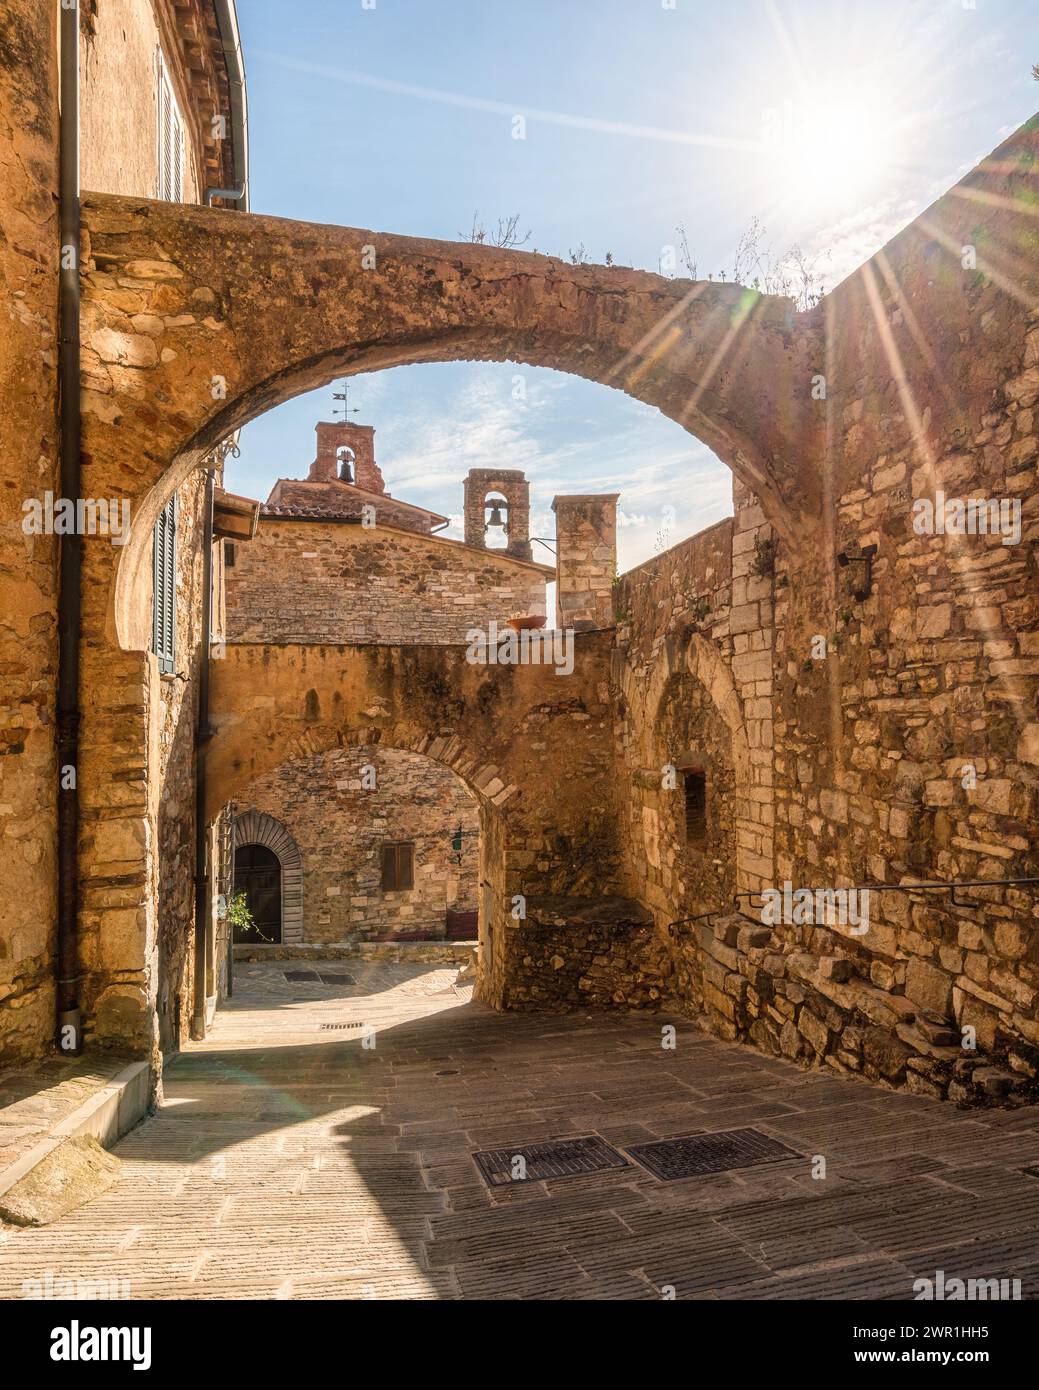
530 621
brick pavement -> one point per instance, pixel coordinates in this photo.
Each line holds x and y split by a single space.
288 1162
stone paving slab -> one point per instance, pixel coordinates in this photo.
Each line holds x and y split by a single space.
36 1097
287 1163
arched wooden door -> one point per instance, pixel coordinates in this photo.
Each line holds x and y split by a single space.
257 874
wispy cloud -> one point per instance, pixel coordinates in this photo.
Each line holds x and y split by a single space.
508 109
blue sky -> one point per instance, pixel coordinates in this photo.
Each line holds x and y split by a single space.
833 121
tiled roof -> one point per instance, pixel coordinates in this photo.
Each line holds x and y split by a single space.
284 509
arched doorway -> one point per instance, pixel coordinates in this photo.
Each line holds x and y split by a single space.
257 874
269 868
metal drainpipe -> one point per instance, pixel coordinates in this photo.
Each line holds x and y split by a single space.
69 1032
227 24
203 896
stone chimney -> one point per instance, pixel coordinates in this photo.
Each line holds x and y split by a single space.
339 443
586 559
482 484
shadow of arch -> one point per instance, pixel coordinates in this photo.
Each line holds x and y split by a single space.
258 828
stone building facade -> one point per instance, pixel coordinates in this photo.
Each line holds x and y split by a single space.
336 559
156 122
340 810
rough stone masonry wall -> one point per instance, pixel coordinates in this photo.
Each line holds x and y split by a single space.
28 564
905 749
695 640
340 827
119 802
321 582
137 897
536 748
586 953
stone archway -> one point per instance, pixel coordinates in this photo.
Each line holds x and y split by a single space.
644 692
196 321
258 828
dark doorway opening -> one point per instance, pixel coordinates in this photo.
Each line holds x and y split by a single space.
257 874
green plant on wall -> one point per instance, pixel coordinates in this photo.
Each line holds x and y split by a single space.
764 562
241 917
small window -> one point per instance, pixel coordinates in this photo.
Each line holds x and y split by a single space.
170 164
398 867
229 554
695 781
164 587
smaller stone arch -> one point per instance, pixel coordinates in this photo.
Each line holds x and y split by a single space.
254 827
699 657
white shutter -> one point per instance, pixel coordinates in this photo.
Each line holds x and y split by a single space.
171 141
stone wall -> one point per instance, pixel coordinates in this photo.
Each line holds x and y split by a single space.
573 952
137 805
319 582
884 720
28 564
535 748
177 710
341 807
901 754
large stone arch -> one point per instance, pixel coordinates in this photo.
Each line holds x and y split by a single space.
196 321
254 827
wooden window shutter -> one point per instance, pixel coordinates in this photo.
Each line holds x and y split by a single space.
389 868
406 866
177 158
164 583
398 867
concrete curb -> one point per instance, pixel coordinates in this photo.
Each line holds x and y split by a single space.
105 1116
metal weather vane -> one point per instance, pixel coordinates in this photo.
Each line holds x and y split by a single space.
345 410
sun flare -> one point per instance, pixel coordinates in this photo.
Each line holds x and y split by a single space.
830 147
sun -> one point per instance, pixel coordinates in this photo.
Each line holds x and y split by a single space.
828 148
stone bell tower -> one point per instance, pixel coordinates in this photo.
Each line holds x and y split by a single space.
510 487
346 452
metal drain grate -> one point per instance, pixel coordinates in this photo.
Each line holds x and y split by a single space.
327 1027
557 1158
693 1155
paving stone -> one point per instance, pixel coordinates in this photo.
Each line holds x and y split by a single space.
285 1165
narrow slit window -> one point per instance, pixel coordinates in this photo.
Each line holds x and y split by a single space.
398 866
695 782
